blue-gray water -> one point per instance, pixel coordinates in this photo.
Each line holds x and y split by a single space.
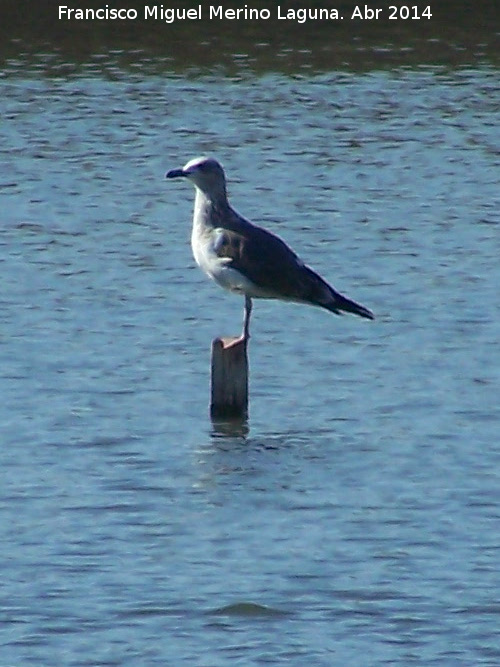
357 521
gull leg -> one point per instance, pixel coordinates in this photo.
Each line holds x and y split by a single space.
246 321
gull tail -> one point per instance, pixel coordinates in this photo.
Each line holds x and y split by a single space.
317 292
338 303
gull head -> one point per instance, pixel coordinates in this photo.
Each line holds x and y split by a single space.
205 173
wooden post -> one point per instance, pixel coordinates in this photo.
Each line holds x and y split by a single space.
229 379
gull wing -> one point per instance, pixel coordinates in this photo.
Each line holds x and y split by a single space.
267 261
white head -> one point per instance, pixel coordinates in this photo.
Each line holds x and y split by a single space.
206 174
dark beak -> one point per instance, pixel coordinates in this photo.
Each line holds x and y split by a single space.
175 173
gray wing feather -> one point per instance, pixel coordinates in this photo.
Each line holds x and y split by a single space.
270 264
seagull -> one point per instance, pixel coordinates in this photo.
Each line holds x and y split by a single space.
247 259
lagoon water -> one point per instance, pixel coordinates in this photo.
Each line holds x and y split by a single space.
354 520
